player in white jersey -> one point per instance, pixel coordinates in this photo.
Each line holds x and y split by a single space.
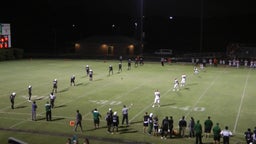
196 71
183 80
157 98
176 85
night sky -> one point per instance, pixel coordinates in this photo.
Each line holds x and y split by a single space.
35 25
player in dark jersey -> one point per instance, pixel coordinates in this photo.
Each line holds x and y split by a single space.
115 122
72 80
12 97
29 92
90 74
110 69
145 122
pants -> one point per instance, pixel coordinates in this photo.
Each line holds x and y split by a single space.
125 118
49 115
33 115
198 138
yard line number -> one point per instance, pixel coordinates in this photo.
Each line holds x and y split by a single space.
104 102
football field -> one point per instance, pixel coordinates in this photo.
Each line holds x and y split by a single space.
226 94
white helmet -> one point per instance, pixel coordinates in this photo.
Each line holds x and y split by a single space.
14 93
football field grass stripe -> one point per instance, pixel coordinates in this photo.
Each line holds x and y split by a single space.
241 102
120 96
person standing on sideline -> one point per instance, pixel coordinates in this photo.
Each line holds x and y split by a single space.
34 107
248 136
208 127
48 109
150 123
55 85
52 99
125 115
72 80
216 133
145 122
155 125
12 97
164 127
176 85
78 121
90 74
198 131
115 122
226 134
191 126
182 126
87 69
171 126
96 118
157 98
108 119
29 92
110 69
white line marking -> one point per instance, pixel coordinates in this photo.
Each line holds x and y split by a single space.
241 102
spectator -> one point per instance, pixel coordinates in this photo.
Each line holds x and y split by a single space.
226 134
78 121
48 109
182 126
216 133
198 132
34 107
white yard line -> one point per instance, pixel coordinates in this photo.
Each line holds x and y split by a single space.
241 102
122 95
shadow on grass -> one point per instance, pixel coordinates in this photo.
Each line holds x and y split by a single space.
64 90
136 122
19 107
165 105
126 130
60 106
57 119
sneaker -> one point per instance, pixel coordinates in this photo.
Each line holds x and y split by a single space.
153 105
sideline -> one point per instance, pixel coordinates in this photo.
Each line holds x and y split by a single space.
66 135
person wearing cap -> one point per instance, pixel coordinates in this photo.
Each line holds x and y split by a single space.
216 133
29 92
115 122
12 97
72 80
226 133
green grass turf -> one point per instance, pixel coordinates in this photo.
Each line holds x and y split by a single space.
226 94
